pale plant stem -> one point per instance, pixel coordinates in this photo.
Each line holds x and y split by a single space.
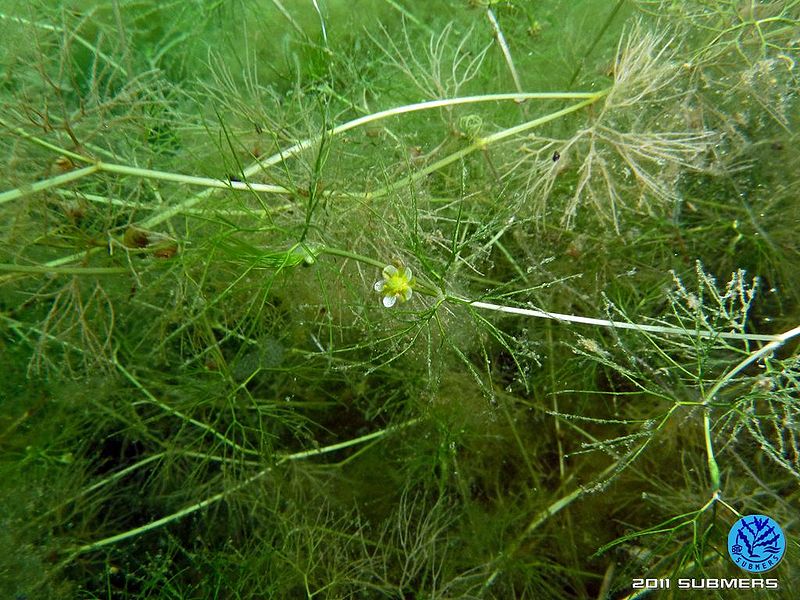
63 270
410 16
282 155
321 22
45 184
620 324
523 127
98 166
287 15
60 150
711 461
481 144
57 262
164 520
777 342
213 184
217 497
282 458
223 459
107 480
45 144
207 182
255 212
501 40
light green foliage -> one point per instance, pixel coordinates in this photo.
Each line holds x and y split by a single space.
217 385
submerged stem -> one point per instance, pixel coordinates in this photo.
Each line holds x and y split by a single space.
623 324
217 497
482 143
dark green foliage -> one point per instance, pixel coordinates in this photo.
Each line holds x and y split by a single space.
203 395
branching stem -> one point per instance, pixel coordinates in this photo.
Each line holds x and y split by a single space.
227 492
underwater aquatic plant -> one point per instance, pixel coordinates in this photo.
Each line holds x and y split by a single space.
595 362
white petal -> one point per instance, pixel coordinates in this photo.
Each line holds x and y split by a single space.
389 271
379 285
407 274
407 293
389 301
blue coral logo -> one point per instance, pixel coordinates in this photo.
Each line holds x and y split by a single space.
756 543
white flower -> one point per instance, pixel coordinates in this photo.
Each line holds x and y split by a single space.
396 285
